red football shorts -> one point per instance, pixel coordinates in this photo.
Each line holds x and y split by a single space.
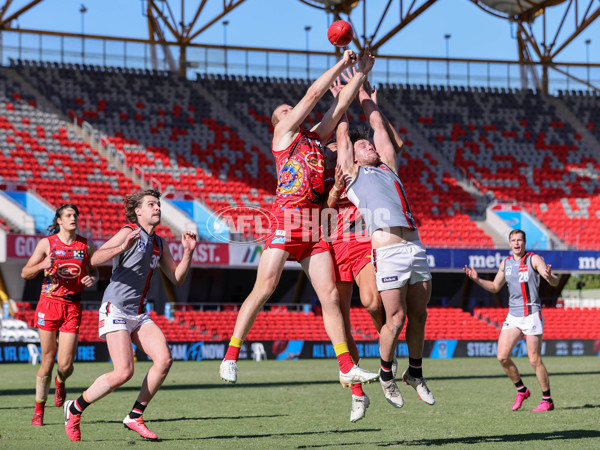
298 232
53 315
349 258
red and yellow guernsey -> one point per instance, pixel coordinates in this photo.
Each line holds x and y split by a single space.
300 173
62 281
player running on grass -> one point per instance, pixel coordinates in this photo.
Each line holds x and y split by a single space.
136 252
398 257
521 271
64 256
299 157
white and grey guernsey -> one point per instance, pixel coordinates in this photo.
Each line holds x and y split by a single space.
132 272
523 286
379 195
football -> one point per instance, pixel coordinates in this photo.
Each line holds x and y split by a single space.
340 33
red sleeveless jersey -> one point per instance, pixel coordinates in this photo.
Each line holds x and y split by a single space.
62 281
349 223
300 174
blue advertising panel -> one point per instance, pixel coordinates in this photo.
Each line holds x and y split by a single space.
488 260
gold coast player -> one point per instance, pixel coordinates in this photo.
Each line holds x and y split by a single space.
299 157
64 256
521 271
136 252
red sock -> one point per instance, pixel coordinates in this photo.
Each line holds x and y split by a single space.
39 408
357 390
233 353
345 362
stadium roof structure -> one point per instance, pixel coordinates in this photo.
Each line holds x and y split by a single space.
172 22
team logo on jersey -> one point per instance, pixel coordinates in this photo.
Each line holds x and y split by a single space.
389 279
69 270
141 246
78 254
60 252
315 161
508 270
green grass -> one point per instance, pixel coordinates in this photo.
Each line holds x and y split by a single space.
300 404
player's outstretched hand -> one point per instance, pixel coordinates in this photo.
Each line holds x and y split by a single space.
349 58
471 272
365 61
131 238
547 271
188 240
88 280
336 87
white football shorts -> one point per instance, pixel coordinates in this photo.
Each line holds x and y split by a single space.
531 325
111 318
398 264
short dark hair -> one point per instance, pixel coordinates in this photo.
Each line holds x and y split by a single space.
515 232
134 200
358 134
55 227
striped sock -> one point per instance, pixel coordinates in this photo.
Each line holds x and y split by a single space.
233 352
79 405
520 387
415 367
546 396
386 370
137 410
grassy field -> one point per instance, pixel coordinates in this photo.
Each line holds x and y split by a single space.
300 404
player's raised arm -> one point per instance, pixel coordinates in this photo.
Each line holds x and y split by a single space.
397 141
177 272
345 151
344 98
544 270
120 242
490 286
286 120
381 138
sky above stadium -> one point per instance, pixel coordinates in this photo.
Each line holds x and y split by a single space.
281 23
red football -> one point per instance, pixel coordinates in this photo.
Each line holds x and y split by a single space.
340 33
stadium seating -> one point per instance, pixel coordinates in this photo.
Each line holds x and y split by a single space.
559 323
42 154
276 322
210 139
515 145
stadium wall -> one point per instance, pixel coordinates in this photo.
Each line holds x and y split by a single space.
18 352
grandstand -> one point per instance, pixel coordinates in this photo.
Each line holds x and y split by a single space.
91 133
